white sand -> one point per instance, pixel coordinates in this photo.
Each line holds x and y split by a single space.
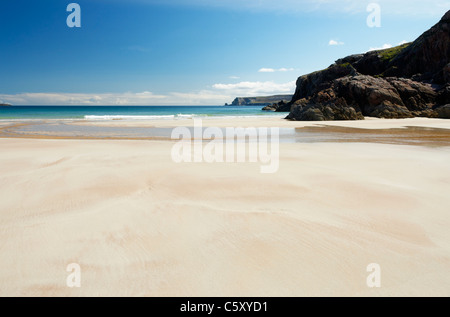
139 224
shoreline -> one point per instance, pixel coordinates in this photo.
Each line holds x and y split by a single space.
416 131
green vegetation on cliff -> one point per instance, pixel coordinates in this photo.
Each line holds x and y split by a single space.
390 53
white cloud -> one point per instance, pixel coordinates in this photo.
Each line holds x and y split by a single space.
285 69
383 47
386 46
266 70
218 94
83 99
273 70
334 43
256 88
234 77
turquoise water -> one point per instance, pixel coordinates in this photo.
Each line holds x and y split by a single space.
130 112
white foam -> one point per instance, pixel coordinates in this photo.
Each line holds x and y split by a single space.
185 116
125 117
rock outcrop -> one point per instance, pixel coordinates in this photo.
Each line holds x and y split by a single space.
282 106
402 82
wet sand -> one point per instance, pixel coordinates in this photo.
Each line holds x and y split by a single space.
417 131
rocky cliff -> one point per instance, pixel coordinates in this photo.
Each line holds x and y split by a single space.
401 82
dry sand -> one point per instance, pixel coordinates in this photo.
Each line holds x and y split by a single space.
141 225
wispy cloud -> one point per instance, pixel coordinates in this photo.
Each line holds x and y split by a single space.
286 69
83 99
273 70
234 77
218 94
266 70
335 43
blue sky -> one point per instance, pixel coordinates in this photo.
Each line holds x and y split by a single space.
187 52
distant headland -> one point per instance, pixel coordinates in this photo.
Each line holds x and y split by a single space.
5 105
260 101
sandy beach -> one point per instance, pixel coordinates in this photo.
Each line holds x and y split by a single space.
139 224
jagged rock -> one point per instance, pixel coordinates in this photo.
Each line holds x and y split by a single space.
446 73
378 97
444 96
323 106
416 95
367 91
318 112
308 85
427 113
280 106
428 55
270 108
388 110
443 112
369 96
352 59
400 82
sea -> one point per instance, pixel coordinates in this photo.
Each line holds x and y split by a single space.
132 112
